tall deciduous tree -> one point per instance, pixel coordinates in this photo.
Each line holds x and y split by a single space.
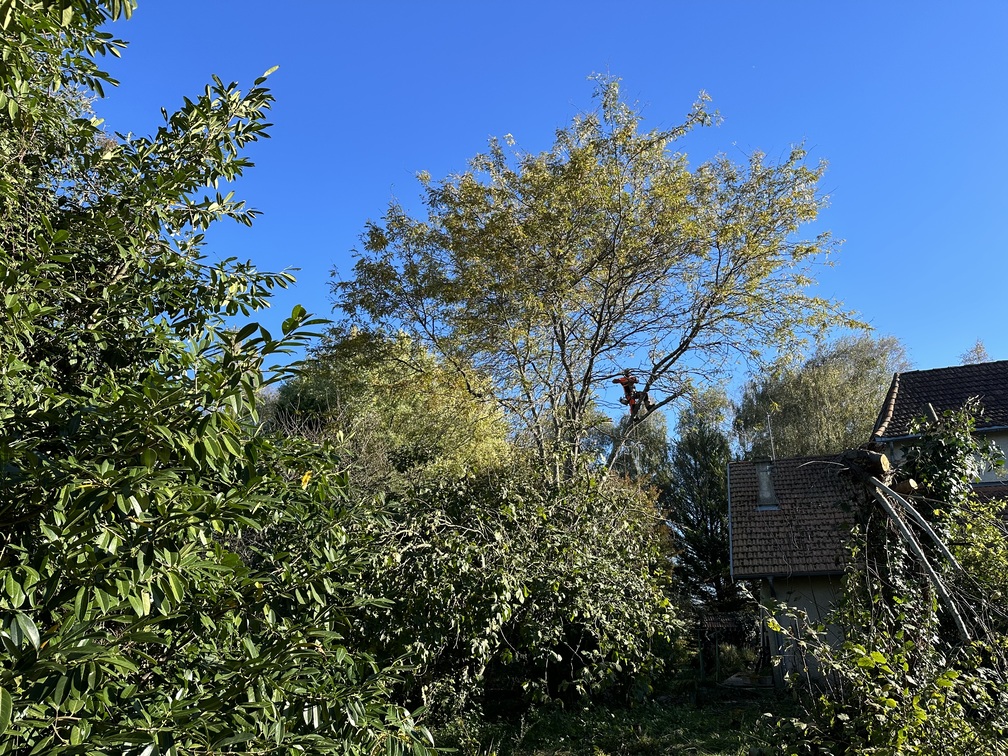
828 404
550 272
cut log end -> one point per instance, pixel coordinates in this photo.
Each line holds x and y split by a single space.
872 462
904 487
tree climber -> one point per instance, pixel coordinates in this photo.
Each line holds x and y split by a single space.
631 397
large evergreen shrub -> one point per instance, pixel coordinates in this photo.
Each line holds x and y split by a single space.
171 579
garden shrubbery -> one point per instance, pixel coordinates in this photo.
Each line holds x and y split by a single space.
505 589
172 579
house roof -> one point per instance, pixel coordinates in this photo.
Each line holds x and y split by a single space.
945 389
996 490
805 534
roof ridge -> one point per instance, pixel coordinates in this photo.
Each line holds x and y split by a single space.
970 366
802 458
888 406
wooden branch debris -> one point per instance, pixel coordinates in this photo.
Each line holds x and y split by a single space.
924 524
875 470
906 487
879 492
872 462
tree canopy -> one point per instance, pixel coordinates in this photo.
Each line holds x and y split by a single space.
549 273
975 354
827 404
392 408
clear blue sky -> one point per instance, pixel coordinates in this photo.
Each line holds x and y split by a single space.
907 101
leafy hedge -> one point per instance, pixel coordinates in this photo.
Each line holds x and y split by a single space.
505 590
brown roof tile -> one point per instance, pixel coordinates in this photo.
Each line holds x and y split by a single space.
945 389
805 534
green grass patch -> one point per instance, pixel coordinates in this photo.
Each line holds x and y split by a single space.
718 728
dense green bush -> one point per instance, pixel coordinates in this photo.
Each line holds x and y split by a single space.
500 587
172 580
505 589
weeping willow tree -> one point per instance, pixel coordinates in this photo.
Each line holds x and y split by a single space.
823 406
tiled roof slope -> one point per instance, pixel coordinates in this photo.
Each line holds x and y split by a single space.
805 535
945 389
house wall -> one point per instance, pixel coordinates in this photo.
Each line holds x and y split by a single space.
812 596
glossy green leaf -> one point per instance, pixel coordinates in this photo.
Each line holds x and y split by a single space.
81 603
6 708
27 629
